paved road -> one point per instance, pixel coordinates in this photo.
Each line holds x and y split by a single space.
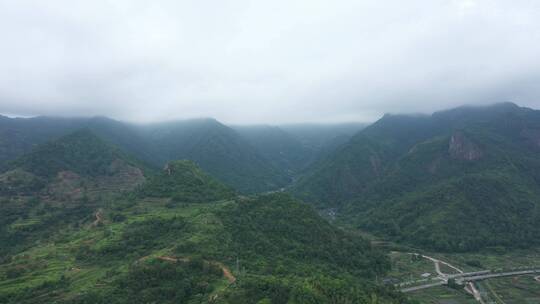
437 263
470 288
474 276
415 288
468 274
500 274
467 278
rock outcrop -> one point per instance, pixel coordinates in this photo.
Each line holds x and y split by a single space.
462 148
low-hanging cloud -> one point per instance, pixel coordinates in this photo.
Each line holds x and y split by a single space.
265 61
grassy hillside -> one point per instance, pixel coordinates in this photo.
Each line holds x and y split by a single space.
462 179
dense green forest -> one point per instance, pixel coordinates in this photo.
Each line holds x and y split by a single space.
251 159
81 152
459 180
84 221
177 236
74 162
60 183
184 182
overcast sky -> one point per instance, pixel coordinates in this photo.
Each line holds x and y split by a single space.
265 61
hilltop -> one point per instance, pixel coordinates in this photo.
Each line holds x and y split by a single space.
184 182
74 162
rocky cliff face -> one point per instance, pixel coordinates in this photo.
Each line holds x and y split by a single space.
462 148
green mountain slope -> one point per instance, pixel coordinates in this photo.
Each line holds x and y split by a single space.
462 179
215 147
218 150
79 159
218 248
292 148
343 174
184 182
249 158
81 152
61 183
281 148
322 137
19 136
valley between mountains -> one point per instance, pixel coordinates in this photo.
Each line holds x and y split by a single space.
441 208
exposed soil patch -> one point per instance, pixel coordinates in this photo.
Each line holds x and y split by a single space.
99 218
226 271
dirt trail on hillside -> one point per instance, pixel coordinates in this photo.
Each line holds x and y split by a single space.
226 271
171 259
99 218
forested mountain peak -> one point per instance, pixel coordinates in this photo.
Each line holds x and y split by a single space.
81 152
183 182
214 146
413 177
65 164
477 112
249 158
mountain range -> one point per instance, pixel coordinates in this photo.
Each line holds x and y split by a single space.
93 210
171 235
235 155
461 179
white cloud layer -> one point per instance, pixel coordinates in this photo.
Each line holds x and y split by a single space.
265 61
